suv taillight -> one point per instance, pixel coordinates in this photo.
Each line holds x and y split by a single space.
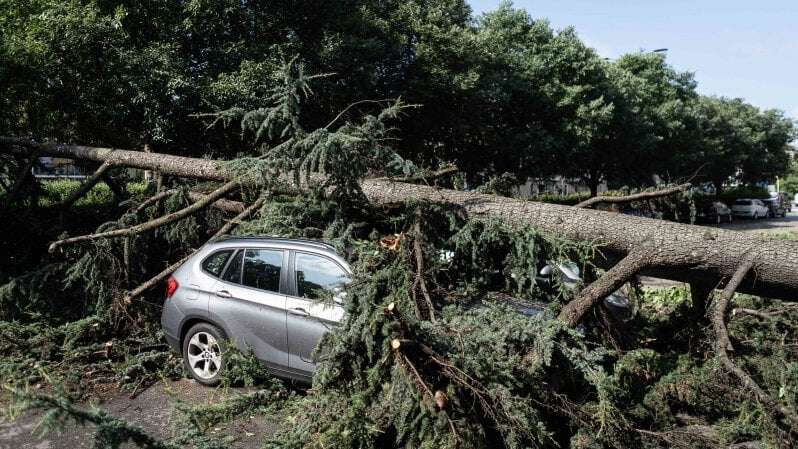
171 286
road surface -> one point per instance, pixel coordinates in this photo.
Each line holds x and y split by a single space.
765 225
153 410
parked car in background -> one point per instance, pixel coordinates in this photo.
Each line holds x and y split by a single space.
782 198
715 212
776 207
750 208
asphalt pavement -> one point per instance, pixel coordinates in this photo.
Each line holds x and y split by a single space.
154 410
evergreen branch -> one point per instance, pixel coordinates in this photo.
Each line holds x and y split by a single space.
152 224
229 226
357 103
723 345
85 186
153 199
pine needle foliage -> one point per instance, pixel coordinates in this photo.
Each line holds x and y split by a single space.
343 152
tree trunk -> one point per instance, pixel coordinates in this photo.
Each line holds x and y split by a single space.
683 252
593 188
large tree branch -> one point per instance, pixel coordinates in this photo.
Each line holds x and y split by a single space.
707 254
85 186
723 345
229 226
155 223
634 197
612 280
222 204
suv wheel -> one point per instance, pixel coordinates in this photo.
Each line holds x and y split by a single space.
202 353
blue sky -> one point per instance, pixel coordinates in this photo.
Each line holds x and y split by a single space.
736 48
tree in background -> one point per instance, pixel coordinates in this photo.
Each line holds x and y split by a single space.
730 140
500 93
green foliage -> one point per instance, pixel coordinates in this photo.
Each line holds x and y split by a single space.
244 369
343 152
789 184
502 88
502 96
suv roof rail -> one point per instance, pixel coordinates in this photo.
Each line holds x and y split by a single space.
317 243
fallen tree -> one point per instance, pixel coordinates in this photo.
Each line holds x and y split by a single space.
433 351
676 251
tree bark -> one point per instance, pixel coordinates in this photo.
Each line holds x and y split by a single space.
685 253
723 346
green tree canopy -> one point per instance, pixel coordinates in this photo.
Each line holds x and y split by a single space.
499 93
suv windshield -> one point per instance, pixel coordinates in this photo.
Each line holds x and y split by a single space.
743 202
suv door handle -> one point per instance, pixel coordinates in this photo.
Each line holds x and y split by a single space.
223 294
299 311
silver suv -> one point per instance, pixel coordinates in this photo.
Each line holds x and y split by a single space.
277 297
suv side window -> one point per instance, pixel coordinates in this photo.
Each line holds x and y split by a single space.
214 263
262 268
233 271
316 274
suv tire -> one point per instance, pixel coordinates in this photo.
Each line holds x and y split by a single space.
202 353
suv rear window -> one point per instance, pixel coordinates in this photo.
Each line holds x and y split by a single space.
233 271
743 202
262 268
214 263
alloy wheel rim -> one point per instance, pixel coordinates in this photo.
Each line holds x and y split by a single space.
204 355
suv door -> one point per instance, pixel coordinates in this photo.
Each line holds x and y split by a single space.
313 308
249 305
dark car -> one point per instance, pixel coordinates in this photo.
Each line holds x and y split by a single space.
715 212
777 207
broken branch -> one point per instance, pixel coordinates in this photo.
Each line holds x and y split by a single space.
420 281
723 346
635 197
87 185
229 226
612 280
152 224
154 199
